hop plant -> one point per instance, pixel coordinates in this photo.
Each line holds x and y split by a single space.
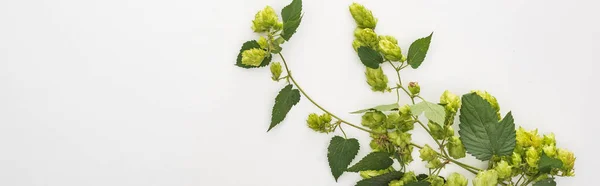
515 156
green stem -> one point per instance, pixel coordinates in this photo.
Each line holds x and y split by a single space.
315 103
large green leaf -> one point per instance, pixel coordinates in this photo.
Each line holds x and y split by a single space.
433 112
369 57
480 131
382 108
381 180
340 154
546 164
250 45
545 182
373 161
292 16
418 50
418 183
284 102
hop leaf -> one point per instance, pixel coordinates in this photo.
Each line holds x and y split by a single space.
369 57
418 51
284 102
292 16
381 180
373 161
480 131
545 182
340 154
433 112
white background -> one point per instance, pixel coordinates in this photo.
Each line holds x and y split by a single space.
138 92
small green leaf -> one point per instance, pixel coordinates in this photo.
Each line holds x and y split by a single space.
284 101
373 161
250 45
340 154
369 57
292 16
545 182
418 51
433 112
480 131
381 180
546 163
419 183
382 108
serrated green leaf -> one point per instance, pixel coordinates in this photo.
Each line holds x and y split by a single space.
480 131
419 183
340 154
292 16
381 180
382 108
369 57
545 182
546 163
433 112
284 102
418 50
373 161
250 45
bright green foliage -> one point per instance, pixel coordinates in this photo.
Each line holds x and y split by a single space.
545 182
370 58
382 108
275 71
456 179
340 154
546 164
249 45
414 88
265 20
373 161
388 46
373 173
480 131
455 147
292 16
285 100
491 99
320 123
381 180
418 51
433 112
486 178
503 169
376 79
363 17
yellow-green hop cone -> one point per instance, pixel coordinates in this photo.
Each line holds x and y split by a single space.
450 101
262 41
528 138
516 160
253 57
456 179
389 38
373 173
504 170
399 138
456 149
427 153
264 20
435 181
275 71
549 139
319 123
434 164
363 17
414 88
486 178
549 150
568 160
366 37
373 119
390 49
357 44
436 130
449 130
532 156
377 79
491 99
404 110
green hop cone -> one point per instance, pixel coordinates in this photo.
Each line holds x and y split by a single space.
253 57
357 44
377 79
363 17
414 88
568 160
516 160
486 178
393 120
407 178
549 150
373 173
528 138
373 119
264 20
456 149
388 46
532 156
456 179
491 99
504 170
319 123
435 180
436 130
275 71
427 153
434 164
262 41
366 37
399 138
549 139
